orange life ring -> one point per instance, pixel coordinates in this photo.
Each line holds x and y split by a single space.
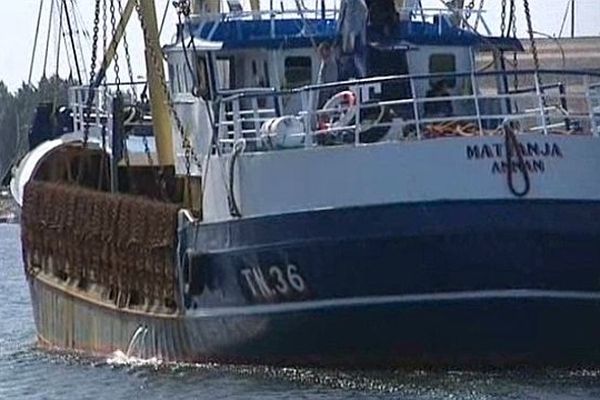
343 104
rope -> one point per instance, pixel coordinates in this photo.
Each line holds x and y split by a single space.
238 148
512 145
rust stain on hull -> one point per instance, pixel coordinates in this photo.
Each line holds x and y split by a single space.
68 322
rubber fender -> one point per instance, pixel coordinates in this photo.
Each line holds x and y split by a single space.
194 273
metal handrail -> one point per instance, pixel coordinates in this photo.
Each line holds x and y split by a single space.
542 117
252 92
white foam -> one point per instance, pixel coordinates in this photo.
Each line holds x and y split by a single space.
119 358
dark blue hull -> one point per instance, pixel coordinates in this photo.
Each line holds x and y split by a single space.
499 331
479 284
438 283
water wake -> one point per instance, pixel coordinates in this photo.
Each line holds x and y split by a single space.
119 358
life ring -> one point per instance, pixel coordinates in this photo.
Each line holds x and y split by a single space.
343 106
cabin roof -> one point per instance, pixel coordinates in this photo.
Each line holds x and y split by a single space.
300 33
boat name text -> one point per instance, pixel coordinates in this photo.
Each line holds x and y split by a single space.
534 155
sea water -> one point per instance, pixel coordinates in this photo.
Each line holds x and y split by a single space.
29 373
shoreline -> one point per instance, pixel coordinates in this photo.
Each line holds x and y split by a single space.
8 209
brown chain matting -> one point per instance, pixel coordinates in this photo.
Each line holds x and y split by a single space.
126 245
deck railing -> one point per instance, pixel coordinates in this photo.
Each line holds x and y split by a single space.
92 109
407 108
439 17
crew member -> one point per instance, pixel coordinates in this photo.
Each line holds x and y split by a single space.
352 26
438 107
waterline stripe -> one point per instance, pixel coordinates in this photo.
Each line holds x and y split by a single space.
395 299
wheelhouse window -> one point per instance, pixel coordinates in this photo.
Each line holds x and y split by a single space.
172 78
202 76
298 71
443 64
225 73
187 85
179 74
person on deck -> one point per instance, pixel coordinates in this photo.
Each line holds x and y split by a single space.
328 71
352 27
383 17
436 106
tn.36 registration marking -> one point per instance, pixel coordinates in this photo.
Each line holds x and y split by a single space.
267 283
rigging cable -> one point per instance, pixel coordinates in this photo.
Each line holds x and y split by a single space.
513 12
156 60
69 26
58 43
184 8
193 74
512 18
79 27
62 35
91 93
479 12
48 37
128 57
123 138
35 40
503 31
81 30
162 24
104 174
164 18
536 60
565 16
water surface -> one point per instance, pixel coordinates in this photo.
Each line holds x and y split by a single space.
29 373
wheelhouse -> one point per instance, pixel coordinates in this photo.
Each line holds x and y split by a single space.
251 68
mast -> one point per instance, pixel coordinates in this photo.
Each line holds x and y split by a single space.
572 18
156 77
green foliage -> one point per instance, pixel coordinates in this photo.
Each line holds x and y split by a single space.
16 115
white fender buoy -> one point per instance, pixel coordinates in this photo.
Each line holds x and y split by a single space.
282 132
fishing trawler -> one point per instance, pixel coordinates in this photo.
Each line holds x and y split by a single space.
324 187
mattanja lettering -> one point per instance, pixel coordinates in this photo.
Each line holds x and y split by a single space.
534 155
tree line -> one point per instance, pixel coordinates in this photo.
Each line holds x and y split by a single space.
17 110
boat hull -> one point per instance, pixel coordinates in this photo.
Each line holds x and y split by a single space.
491 283
485 329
